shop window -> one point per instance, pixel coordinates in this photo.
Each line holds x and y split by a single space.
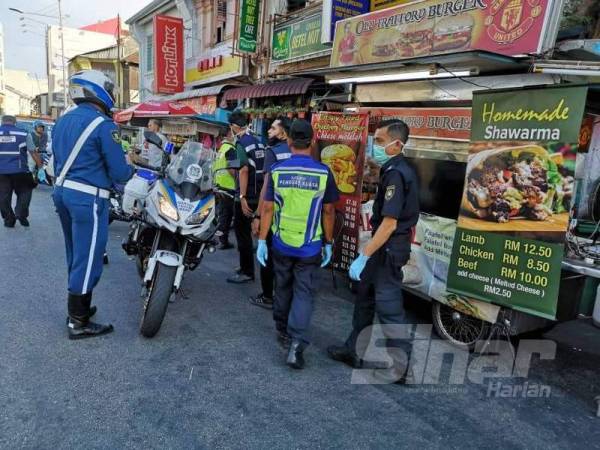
220 20
150 53
295 5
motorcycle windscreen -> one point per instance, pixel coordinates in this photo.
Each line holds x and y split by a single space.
192 165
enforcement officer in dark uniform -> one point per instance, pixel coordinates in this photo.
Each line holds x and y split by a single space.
378 268
250 152
14 173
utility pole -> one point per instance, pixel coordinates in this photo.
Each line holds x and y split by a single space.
62 51
120 90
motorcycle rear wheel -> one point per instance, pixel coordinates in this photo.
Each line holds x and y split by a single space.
157 300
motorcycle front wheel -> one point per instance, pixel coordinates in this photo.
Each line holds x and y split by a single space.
157 300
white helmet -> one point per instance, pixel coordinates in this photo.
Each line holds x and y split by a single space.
92 86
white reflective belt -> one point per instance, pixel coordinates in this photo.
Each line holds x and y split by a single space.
86 188
10 153
17 133
78 145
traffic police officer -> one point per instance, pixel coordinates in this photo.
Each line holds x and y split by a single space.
14 173
300 196
225 181
277 151
378 267
88 160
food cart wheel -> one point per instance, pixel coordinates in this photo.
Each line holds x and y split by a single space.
457 328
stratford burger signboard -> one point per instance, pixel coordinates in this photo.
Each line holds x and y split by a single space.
168 55
433 27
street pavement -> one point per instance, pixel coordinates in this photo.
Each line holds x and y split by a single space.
214 376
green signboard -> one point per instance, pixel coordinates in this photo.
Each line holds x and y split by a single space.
508 246
249 25
297 39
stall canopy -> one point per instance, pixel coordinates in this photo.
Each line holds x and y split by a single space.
154 109
193 93
296 86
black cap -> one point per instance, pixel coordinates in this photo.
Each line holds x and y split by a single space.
301 131
238 118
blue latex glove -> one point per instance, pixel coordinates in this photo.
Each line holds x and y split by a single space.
262 253
357 266
327 252
41 176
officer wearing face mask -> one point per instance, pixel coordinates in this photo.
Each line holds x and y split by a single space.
378 268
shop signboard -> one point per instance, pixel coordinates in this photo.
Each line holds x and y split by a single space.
216 65
168 55
250 13
297 38
434 27
430 123
514 214
202 105
340 141
336 10
376 5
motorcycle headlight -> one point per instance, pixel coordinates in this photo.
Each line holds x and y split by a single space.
167 209
199 217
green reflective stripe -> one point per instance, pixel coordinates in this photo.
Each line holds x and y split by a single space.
223 178
297 218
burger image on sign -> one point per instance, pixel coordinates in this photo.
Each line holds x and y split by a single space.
453 33
340 159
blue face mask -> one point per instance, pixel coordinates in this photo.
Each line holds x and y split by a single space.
379 154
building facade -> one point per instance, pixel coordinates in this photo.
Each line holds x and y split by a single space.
21 88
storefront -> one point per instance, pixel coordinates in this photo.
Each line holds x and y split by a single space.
429 78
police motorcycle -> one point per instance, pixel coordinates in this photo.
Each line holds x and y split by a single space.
173 224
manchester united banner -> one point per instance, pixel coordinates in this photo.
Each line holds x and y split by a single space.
433 27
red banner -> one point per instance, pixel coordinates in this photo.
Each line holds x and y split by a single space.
440 123
340 141
168 54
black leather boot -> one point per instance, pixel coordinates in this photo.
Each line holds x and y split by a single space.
87 300
79 324
295 358
344 354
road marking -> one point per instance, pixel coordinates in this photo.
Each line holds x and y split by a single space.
191 372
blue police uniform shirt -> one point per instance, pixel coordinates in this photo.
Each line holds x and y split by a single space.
331 196
13 150
275 154
101 161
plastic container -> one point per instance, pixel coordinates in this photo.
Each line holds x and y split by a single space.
136 189
596 313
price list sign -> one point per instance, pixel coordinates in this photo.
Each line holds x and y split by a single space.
508 245
339 142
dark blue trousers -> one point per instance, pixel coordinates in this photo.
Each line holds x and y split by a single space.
295 286
84 220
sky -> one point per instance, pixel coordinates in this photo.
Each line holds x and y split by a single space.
27 51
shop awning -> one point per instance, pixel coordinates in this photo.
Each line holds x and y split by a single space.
294 86
192 93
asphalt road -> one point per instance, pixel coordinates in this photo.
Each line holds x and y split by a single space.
214 377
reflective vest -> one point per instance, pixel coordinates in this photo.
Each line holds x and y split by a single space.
13 150
223 178
299 195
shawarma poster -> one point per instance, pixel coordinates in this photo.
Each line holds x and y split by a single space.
339 142
434 27
519 184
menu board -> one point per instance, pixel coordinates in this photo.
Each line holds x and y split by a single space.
340 141
508 246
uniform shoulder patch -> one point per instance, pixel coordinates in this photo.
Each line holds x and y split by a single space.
116 135
390 191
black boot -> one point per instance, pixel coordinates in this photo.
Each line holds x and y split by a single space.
344 354
295 358
79 324
87 299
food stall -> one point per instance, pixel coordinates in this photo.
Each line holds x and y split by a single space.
437 82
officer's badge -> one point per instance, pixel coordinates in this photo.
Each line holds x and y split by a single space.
116 136
389 192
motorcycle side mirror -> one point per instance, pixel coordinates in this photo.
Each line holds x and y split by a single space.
153 138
